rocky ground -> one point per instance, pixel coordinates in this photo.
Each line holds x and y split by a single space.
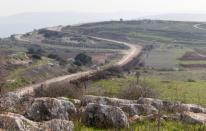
58 114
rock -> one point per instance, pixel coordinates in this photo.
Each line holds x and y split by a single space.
172 106
150 101
15 122
76 102
172 117
57 125
10 102
43 109
150 117
194 118
105 100
192 108
104 116
135 118
138 109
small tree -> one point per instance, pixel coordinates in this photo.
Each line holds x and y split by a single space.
82 59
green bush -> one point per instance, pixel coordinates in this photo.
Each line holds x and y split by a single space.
82 59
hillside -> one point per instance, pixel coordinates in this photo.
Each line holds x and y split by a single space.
138 75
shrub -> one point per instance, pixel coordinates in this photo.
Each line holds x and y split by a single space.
135 91
64 88
82 59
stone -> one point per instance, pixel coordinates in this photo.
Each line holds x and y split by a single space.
194 118
150 101
16 122
105 100
43 109
104 116
138 109
10 102
57 125
76 102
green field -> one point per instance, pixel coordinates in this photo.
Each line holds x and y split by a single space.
148 126
183 86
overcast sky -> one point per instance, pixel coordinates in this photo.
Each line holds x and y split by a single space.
10 7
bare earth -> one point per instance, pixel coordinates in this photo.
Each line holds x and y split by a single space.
130 54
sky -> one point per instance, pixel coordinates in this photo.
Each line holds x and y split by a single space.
11 7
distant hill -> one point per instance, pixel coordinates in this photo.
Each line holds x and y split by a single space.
180 17
26 22
22 23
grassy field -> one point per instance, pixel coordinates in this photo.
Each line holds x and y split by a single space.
16 74
192 62
181 86
148 126
164 57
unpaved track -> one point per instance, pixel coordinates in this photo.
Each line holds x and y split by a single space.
129 55
197 26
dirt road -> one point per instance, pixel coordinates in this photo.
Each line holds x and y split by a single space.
134 50
197 26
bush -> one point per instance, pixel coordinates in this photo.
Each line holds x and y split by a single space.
64 88
82 59
58 58
135 91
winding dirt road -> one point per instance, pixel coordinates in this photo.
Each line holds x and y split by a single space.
197 26
129 55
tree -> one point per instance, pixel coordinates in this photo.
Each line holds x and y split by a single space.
82 59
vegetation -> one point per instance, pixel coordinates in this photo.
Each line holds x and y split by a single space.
172 90
148 126
82 59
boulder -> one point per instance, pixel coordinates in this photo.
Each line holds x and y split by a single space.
194 118
192 108
150 101
135 118
43 109
105 100
16 122
104 116
172 106
57 125
138 109
11 102
76 102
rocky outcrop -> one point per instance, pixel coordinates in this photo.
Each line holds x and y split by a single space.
104 116
43 109
11 102
76 102
57 125
172 106
105 100
138 109
16 122
194 118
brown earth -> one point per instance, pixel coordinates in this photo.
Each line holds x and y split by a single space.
194 56
193 65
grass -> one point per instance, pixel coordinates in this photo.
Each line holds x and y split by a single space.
172 90
184 91
16 74
165 57
151 37
192 62
110 87
148 126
